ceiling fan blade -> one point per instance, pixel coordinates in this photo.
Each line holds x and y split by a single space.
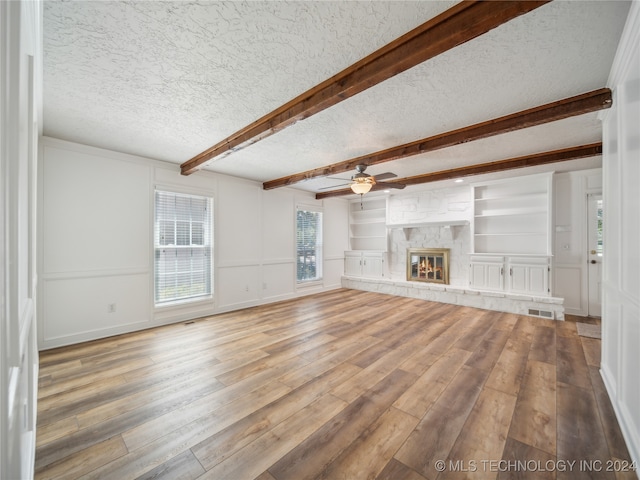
383 185
385 176
334 186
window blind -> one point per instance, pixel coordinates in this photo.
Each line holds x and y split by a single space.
183 247
309 245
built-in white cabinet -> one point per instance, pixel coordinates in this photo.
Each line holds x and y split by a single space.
353 263
511 235
487 273
513 216
527 275
367 237
368 224
365 264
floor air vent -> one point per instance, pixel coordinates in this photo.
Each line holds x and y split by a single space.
541 313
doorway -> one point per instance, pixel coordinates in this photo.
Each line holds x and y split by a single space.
594 253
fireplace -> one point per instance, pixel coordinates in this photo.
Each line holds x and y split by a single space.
428 265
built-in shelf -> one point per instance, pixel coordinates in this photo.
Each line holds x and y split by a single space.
511 196
368 224
512 213
367 238
367 221
512 216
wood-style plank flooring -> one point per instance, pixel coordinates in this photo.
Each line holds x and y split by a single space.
342 385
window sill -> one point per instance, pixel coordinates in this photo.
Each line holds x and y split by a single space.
189 302
309 284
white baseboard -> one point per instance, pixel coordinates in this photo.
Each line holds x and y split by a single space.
631 435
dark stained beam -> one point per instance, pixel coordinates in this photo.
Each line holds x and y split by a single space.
551 112
545 158
460 24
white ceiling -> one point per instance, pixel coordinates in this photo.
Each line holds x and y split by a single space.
168 79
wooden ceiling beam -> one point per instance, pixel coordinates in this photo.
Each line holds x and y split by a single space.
563 155
459 24
551 112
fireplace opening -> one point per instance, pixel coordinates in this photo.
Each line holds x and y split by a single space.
428 265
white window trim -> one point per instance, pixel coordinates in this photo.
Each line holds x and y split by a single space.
316 282
187 302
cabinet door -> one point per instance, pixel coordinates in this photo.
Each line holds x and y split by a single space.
529 279
494 276
352 264
477 275
372 265
518 278
539 279
486 275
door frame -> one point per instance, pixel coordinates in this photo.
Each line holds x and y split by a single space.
593 254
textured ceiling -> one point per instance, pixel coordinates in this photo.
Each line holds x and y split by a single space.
167 80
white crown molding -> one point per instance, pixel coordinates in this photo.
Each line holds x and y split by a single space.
629 39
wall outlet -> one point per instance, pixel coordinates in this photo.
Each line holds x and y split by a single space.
111 308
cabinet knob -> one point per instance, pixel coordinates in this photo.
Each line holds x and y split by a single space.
593 252
593 262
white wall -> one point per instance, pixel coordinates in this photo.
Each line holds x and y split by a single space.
20 113
96 233
621 279
570 272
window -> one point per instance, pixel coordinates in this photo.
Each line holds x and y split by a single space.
183 247
309 245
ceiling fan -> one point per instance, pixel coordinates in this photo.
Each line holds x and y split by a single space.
362 182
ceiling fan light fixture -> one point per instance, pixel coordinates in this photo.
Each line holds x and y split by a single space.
362 185
360 188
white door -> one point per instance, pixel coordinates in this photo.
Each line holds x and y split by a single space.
19 35
594 254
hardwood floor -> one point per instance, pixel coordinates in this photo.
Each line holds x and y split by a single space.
342 385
